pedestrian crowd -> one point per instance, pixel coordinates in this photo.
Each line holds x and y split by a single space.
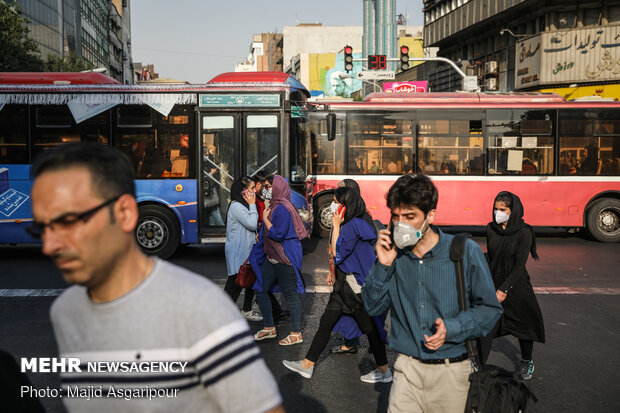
125 305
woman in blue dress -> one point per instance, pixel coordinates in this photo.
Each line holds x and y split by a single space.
276 260
354 254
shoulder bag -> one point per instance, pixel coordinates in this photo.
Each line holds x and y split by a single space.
492 388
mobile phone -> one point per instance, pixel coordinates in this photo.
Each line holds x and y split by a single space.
391 229
244 192
342 210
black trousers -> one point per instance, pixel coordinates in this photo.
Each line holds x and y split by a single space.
329 319
485 344
233 290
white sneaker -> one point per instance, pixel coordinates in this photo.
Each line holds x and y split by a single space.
252 315
376 376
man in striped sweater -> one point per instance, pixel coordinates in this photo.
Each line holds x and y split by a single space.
149 336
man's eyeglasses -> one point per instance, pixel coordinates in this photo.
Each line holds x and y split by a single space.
65 222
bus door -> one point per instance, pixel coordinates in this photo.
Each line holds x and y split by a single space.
261 143
220 141
233 144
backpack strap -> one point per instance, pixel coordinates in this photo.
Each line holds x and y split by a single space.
457 251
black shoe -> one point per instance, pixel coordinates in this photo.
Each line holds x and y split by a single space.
340 350
281 317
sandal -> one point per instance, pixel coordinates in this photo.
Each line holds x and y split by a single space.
260 335
291 339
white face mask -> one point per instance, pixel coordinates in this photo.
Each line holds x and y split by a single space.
266 193
334 207
501 217
406 235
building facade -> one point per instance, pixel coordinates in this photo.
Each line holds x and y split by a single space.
265 54
566 46
97 30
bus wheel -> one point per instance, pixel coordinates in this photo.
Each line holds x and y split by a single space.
323 216
604 220
157 231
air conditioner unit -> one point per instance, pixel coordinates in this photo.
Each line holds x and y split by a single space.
490 83
490 68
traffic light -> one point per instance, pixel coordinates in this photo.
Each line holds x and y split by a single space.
348 58
404 58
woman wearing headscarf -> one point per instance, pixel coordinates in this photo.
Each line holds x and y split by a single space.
241 224
354 254
276 260
509 242
346 325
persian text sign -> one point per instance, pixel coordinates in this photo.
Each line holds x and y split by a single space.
406 87
577 55
253 100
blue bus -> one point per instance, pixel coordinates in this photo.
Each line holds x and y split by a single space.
187 142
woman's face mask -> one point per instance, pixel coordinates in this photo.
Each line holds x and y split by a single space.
406 235
501 217
266 193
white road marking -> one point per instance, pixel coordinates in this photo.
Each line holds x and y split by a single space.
22 292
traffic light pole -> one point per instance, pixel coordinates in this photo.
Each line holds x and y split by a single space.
470 83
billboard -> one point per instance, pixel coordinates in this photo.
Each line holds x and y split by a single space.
418 86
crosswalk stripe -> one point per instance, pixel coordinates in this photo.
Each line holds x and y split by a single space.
322 289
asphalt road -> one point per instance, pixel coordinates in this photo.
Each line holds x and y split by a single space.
577 281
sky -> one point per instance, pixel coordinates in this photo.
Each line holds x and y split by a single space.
195 40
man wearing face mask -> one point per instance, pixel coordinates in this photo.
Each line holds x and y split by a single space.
415 278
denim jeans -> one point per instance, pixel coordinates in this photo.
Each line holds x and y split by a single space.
286 277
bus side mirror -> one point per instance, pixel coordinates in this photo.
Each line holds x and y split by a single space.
331 126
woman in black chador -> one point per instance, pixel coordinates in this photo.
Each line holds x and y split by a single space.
509 242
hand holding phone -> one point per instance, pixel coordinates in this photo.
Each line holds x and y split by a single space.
338 217
385 247
249 196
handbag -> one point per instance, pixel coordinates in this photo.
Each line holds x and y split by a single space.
246 276
492 388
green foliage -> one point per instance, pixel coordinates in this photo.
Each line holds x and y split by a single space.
18 52
67 63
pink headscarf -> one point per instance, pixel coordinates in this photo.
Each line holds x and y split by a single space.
281 195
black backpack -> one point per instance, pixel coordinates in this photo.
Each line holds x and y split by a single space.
492 389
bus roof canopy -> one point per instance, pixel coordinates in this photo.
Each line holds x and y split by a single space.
55 78
463 97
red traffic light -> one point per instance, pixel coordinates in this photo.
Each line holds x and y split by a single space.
404 50
348 50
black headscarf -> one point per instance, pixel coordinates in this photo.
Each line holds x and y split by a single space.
355 205
350 183
354 186
515 222
235 193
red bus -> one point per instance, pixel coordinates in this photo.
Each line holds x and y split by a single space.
561 158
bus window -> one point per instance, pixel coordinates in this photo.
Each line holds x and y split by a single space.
300 149
262 143
380 143
327 156
589 142
14 134
450 143
54 126
159 146
520 142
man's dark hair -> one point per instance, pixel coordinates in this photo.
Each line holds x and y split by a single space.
413 191
261 176
110 169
